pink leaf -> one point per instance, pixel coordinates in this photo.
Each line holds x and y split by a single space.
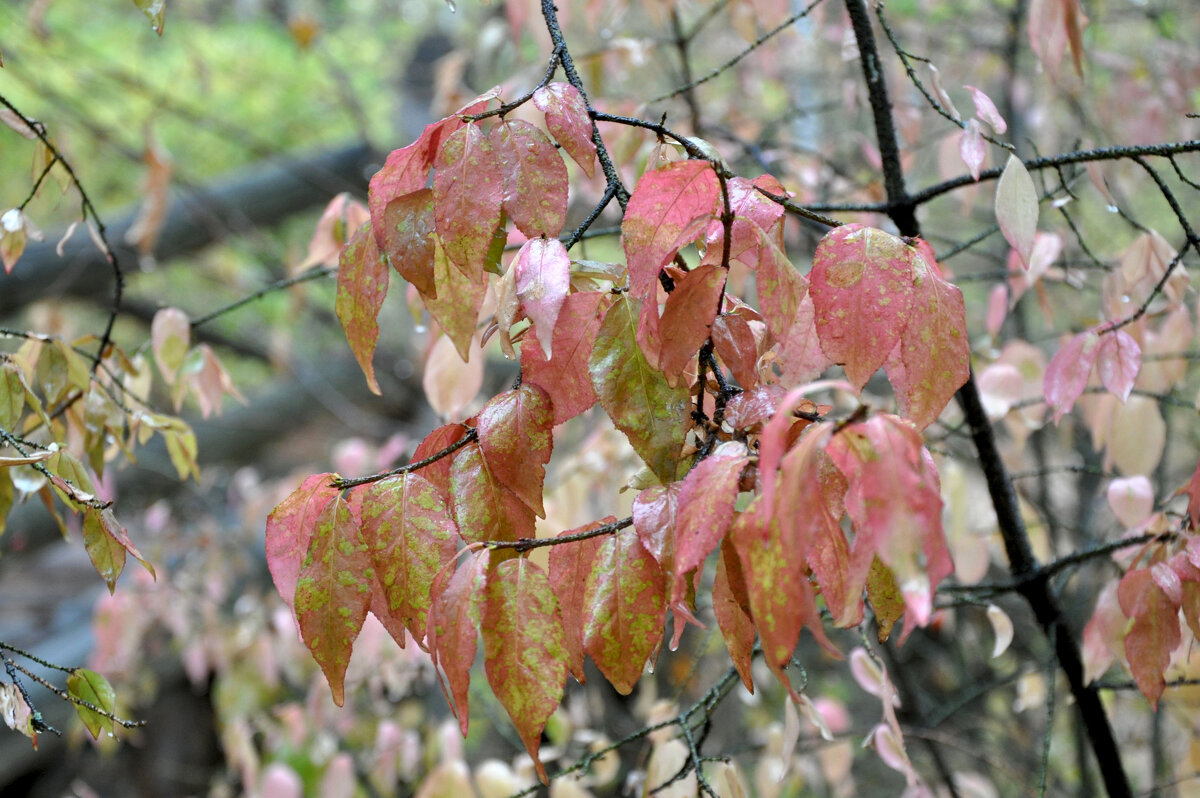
706 503
985 109
468 188
362 285
535 178
862 290
1118 359
1067 373
669 208
971 147
1131 499
568 121
543 278
289 530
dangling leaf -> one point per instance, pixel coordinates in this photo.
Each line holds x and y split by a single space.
526 658
570 565
688 317
89 686
289 531
568 121
1017 208
731 605
484 508
452 630
362 285
408 233
706 504
543 278
468 188
333 592
565 376
459 299
653 415
410 534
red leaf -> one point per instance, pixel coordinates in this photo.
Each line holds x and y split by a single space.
408 236
670 207
654 513
459 298
406 170
568 121
514 434
362 285
735 344
570 564
565 376
688 318
862 290
333 592
407 527
484 508
731 605
653 415
535 178
438 472
468 187
706 502
625 609
452 630
810 508
1118 358
526 656
895 506
1067 372
934 349
543 278
1155 631
800 356
289 530
752 213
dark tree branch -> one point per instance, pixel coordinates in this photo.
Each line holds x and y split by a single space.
901 207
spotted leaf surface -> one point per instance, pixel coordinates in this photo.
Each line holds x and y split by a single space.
543 278
570 564
452 630
289 530
568 121
534 178
362 285
565 376
468 188
407 235
515 437
523 642
484 508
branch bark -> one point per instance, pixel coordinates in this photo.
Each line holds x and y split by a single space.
261 195
1035 587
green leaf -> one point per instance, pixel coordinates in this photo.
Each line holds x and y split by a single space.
459 298
525 650
333 592
886 600
155 11
362 285
89 686
107 553
653 415
12 395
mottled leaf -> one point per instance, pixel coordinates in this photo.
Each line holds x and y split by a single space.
862 291
523 642
468 191
568 121
289 530
408 233
534 178
333 592
653 415
543 278
780 289
484 508
565 376
459 299
625 607
670 207
515 436
452 630
438 472
362 285
934 349
410 534
570 564
655 511
170 336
